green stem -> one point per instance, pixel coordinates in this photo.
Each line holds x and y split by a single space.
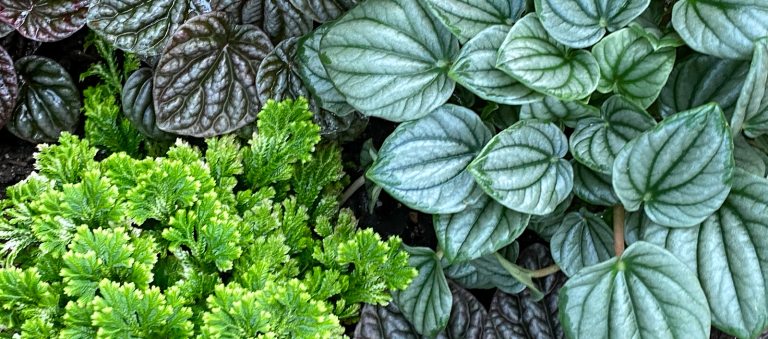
618 230
543 272
352 189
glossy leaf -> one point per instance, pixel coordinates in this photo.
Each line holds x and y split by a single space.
283 21
751 111
538 61
315 77
466 19
647 293
596 141
138 26
324 10
593 187
481 229
581 23
48 102
202 88
426 303
582 240
276 78
632 67
554 110
723 28
138 104
423 163
44 20
702 79
680 171
389 58
747 157
486 272
9 87
523 167
475 69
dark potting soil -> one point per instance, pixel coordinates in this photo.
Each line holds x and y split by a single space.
16 160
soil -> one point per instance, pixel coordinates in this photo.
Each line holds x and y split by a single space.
16 160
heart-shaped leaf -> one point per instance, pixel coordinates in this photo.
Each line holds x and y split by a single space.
48 101
681 170
324 10
538 61
486 272
632 67
751 112
703 79
316 78
726 29
282 20
582 240
596 141
523 167
475 69
423 163
466 19
581 23
555 110
44 20
9 87
646 293
426 302
593 187
389 58
138 26
205 80
138 104
276 78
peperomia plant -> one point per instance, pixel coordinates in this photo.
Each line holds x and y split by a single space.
637 116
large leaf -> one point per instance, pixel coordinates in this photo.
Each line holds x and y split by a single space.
466 19
596 141
523 167
554 110
538 61
751 111
276 78
48 102
315 77
282 20
582 240
475 69
486 272
581 23
426 302
138 104
723 28
44 20
646 293
680 171
702 79
9 87
423 163
324 10
479 230
593 187
390 58
632 67
138 26
205 80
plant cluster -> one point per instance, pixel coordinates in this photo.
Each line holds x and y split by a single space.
236 241
648 116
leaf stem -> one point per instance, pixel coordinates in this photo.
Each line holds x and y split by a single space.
618 229
359 182
545 271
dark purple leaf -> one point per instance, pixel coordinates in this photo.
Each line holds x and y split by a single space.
283 21
277 78
44 20
324 10
138 104
9 87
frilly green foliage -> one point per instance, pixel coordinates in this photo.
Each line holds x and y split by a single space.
228 242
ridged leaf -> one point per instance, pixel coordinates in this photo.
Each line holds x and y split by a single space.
486 272
324 10
315 77
475 69
9 87
138 26
593 187
205 80
751 111
44 20
423 163
680 171
554 110
582 240
283 21
581 23
748 157
138 104
466 19
276 78
523 167
723 28
389 58
48 102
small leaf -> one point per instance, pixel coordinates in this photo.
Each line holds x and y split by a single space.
747 157
426 303
423 163
138 26
283 21
554 110
725 29
48 101
681 170
324 10
751 111
546 225
481 229
593 187
315 77
582 240
276 78
205 80
523 167
389 58
475 69
466 19
138 104
646 293
581 23
486 272
538 61
9 87
44 20
630 66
